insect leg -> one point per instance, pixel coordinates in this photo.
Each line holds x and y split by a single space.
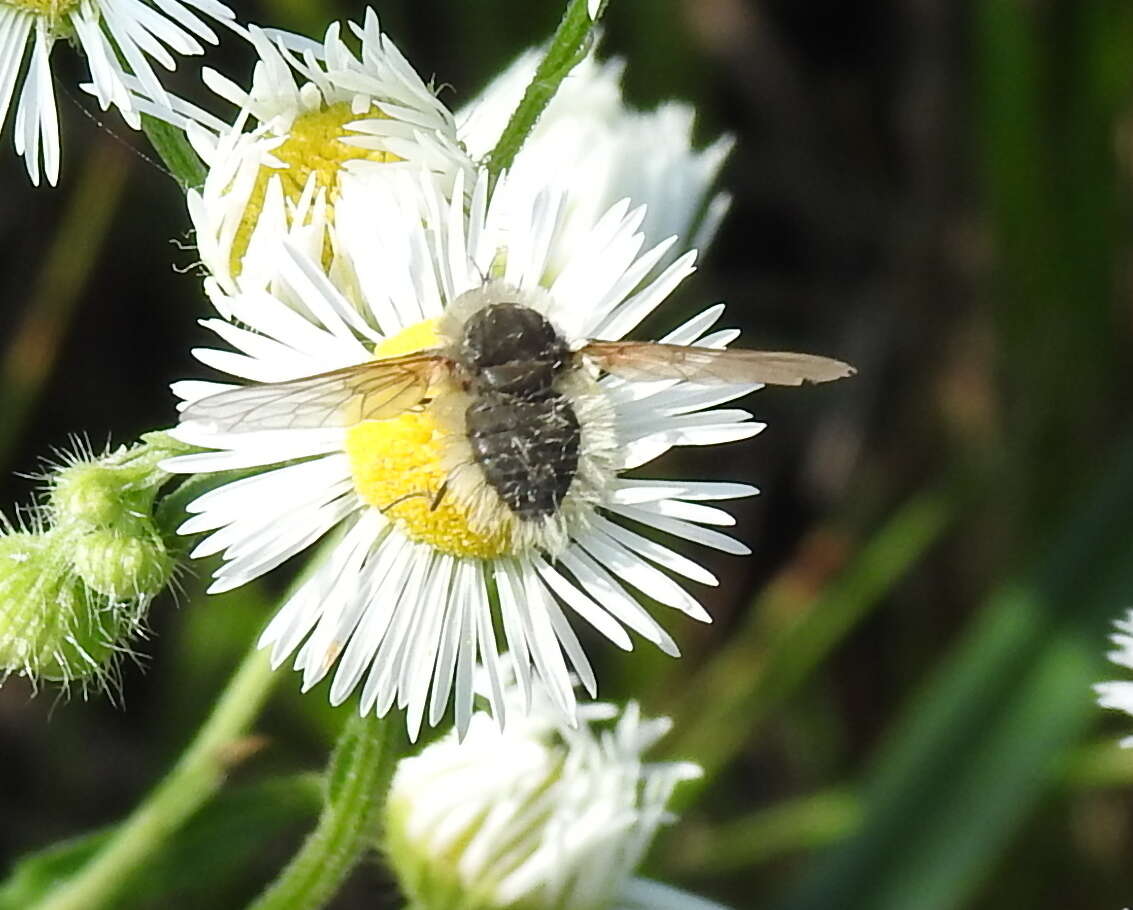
400 500
435 498
440 495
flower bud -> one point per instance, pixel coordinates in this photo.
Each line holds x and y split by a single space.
103 506
96 495
123 565
51 625
74 585
534 817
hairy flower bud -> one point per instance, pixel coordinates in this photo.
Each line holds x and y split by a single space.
96 495
122 565
111 489
51 625
103 505
74 585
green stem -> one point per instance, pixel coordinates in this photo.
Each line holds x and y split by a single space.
569 45
176 153
357 781
194 779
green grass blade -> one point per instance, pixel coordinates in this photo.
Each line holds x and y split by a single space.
987 736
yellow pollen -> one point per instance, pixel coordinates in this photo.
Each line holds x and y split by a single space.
313 146
413 338
54 11
398 467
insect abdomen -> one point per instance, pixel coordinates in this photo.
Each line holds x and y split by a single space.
527 449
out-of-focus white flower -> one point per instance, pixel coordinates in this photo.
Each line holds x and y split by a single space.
1119 694
590 143
538 816
120 39
314 112
434 552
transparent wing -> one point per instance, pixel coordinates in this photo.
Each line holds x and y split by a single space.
643 360
376 390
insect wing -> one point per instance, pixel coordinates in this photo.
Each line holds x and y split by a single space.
643 360
376 390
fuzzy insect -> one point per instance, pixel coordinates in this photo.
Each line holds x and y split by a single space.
514 367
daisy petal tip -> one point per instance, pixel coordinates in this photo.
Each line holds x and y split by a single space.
338 695
222 586
697 612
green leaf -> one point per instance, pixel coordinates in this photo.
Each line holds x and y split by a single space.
185 166
34 875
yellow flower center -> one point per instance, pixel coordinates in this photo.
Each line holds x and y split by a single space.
54 11
398 467
313 146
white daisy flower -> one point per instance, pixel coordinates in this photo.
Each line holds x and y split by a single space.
120 39
314 112
591 143
469 475
1119 694
310 130
537 815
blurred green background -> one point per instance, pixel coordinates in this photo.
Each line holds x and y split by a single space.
893 705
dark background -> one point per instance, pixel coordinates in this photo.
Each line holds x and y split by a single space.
893 705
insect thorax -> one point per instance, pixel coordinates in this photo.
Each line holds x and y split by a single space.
511 348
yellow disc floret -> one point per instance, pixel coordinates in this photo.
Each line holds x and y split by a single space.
418 337
54 11
399 467
313 146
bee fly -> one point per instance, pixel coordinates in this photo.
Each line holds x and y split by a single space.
524 434
514 367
